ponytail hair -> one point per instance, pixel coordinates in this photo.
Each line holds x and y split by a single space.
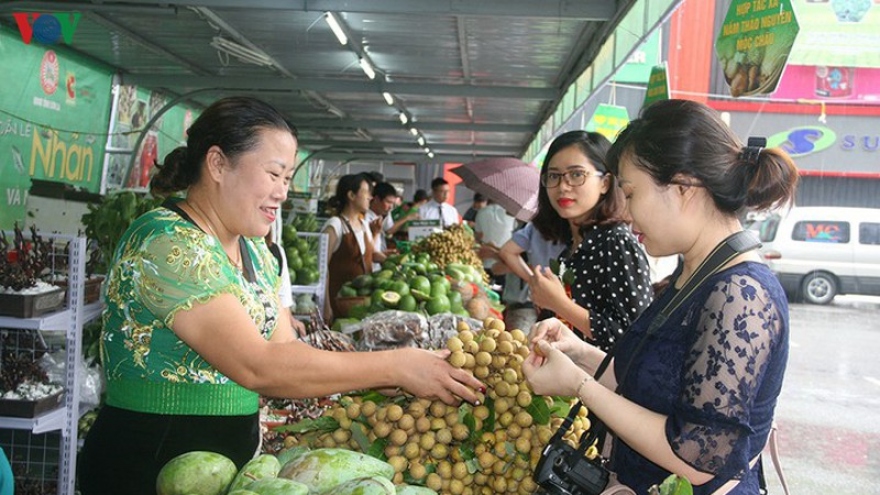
674 138
176 174
233 124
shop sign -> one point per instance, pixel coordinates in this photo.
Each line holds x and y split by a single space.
658 86
754 44
608 120
47 28
802 141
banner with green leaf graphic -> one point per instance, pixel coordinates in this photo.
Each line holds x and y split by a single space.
54 110
608 120
753 46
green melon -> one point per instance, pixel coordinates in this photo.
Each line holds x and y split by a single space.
278 486
323 469
196 473
260 467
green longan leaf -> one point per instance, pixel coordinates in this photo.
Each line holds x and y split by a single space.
324 424
539 410
377 449
357 432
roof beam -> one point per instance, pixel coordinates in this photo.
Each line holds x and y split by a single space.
313 144
338 86
335 124
583 10
330 154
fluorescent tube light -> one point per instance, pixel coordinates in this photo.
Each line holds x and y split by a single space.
336 28
241 52
388 98
403 118
368 69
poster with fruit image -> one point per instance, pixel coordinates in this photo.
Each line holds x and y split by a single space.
754 45
135 108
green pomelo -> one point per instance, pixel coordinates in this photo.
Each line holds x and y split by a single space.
347 291
421 284
407 303
362 281
400 287
420 296
390 299
196 473
438 304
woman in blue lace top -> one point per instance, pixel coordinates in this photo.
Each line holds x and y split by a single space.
699 396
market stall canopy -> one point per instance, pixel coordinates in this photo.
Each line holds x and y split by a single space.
415 81
510 182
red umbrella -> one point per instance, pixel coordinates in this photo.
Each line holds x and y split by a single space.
510 182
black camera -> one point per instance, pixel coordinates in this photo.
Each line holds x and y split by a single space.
564 470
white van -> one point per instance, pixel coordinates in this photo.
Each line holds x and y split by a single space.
819 252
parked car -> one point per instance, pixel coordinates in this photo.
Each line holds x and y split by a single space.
820 252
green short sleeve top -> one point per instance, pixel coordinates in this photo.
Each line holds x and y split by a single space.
164 264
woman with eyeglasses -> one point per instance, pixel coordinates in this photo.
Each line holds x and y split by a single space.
579 204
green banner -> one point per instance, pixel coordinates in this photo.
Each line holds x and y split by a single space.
753 46
608 120
658 85
54 111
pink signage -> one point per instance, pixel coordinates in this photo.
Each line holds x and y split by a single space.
829 83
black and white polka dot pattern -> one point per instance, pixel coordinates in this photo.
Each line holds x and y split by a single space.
611 279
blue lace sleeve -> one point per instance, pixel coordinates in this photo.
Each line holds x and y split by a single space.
737 328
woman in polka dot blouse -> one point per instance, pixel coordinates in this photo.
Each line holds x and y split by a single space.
580 204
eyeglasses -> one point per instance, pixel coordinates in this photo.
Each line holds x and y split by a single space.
574 178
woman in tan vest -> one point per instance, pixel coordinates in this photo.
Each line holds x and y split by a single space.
350 237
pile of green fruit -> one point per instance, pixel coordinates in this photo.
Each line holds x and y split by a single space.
305 222
485 449
294 472
302 255
454 245
106 221
415 283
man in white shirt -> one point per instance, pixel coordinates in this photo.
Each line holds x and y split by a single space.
381 224
438 208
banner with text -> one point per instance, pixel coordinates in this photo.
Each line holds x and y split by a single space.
753 46
658 85
54 110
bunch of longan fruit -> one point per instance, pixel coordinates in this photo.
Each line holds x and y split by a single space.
488 448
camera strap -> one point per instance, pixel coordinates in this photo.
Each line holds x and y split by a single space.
727 250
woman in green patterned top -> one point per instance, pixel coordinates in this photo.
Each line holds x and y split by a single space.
192 335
